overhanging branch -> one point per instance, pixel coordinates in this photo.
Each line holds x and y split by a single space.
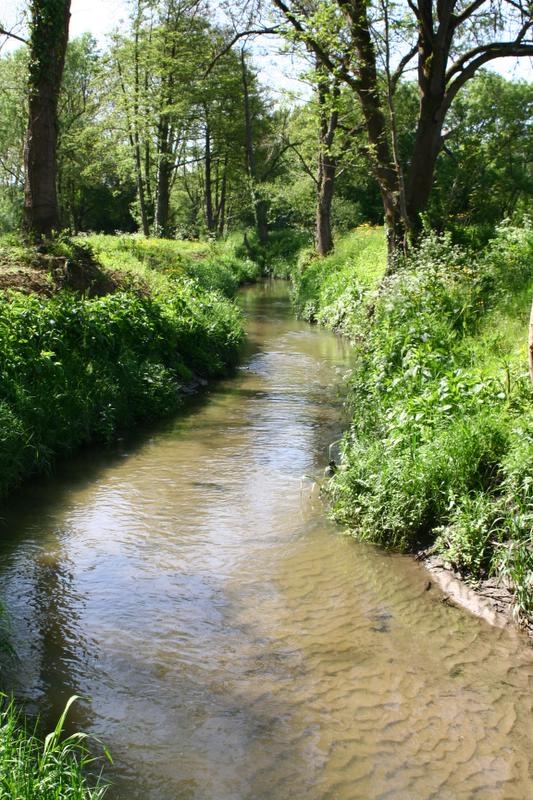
464 69
233 41
12 35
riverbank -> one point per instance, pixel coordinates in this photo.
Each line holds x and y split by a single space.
96 337
491 599
440 447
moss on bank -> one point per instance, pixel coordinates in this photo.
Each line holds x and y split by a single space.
440 450
80 361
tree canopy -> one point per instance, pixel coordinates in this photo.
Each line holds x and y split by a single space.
171 128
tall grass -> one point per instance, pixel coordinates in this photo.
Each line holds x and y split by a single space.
33 769
330 290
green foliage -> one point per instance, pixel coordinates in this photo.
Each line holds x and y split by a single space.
13 122
31 769
440 446
96 187
484 173
74 370
214 266
398 488
330 290
279 256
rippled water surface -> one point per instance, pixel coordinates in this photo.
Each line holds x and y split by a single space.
229 643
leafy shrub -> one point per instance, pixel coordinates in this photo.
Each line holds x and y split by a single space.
214 266
278 256
401 489
330 290
75 369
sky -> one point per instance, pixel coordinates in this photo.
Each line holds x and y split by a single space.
100 17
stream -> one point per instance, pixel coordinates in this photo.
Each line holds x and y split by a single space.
227 642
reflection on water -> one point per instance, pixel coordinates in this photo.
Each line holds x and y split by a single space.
230 645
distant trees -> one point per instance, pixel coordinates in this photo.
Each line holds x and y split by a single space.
190 108
95 185
485 171
13 124
170 130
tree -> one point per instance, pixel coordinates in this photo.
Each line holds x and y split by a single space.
13 122
362 43
94 184
162 97
485 171
48 44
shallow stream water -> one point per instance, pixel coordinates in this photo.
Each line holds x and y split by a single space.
228 642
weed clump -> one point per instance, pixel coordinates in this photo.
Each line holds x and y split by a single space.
32 769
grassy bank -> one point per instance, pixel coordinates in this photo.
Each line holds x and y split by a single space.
98 348
440 448
215 266
35 769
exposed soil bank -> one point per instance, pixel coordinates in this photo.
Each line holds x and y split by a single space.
490 599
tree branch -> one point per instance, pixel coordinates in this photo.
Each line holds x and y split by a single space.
467 66
11 35
398 72
305 165
458 19
338 69
234 40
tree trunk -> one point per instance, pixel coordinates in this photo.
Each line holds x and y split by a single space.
221 208
164 174
141 192
531 345
209 214
327 91
397 224
162 210
260 205
432 59
261 219
327 166
48 44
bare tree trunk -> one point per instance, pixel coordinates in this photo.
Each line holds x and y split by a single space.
141 192
327 166
327 163
48 44
531 344
163 178
209 212
260 205
221 207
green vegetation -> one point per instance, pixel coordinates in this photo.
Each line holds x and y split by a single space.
75 369
220 266
37 770
168 131
440 448
329 290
